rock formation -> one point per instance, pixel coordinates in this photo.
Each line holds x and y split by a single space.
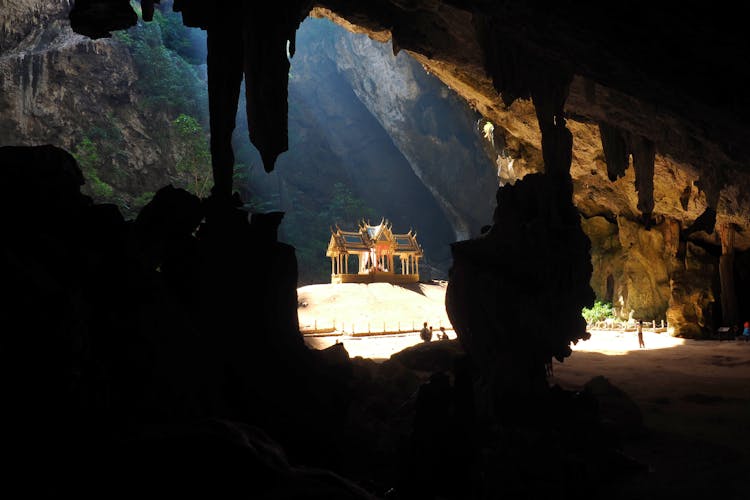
695 167
133 326
59 87
607 115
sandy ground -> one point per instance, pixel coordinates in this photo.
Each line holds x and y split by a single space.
373 307
694 395
695 388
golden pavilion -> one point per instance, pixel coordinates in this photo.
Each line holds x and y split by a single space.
376 249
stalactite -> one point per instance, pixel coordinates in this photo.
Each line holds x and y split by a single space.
711 183
549 93
224 80
644 154
259 38
504 60
704 222
615 150
671 237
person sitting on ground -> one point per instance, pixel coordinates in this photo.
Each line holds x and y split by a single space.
425 334
442 334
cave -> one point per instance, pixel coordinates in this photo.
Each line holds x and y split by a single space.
621 150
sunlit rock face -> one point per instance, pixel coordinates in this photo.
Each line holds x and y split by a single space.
437 134
630 267
691 301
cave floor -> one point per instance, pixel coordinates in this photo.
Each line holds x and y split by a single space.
695 401
694 397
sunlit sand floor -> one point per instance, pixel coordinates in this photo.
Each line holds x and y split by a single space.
383 346
376 346
616 342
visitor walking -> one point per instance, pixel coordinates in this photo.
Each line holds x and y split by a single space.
426 333
640 335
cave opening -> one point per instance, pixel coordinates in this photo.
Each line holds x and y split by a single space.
372 136
166 348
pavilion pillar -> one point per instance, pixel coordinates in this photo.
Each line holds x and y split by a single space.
346 264
726 275
332 269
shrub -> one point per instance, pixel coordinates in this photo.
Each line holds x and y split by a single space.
600 311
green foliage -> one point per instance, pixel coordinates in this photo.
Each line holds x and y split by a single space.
599 312
165 78
140 201
195 155
177 37
308 229
345 209
90 161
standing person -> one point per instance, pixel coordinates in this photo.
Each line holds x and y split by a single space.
746 331
425 333
640 335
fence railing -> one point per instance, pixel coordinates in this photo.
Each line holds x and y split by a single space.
365 328
612 324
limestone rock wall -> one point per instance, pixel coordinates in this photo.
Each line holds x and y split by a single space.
57 87
441 153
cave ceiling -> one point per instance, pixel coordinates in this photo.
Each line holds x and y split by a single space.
655 96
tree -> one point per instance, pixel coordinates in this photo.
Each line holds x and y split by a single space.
345 209
195 156
89 160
